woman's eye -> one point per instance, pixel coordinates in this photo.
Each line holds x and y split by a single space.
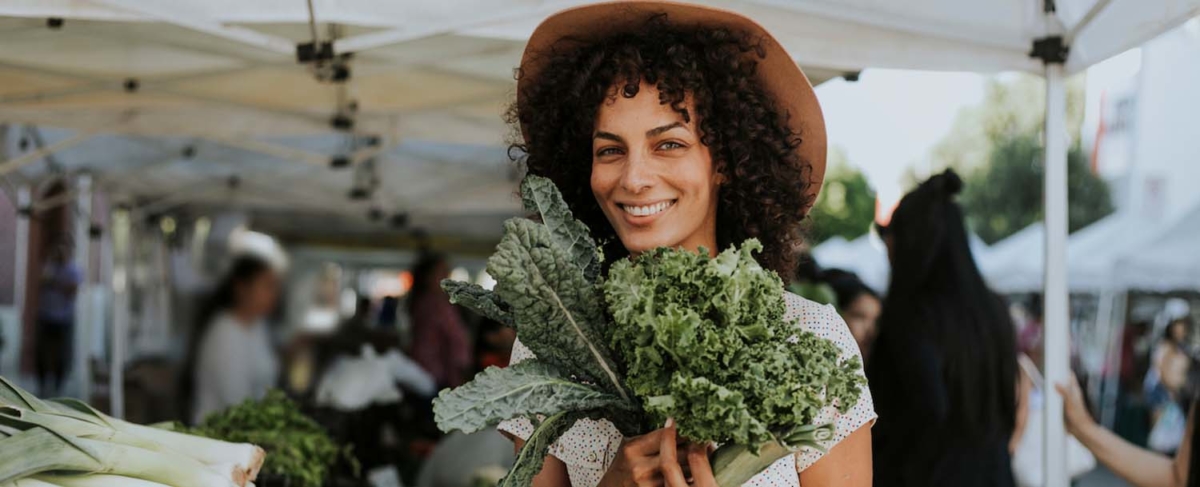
671 145
607 151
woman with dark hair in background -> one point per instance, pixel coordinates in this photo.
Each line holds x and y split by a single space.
440 342
943 370
234 359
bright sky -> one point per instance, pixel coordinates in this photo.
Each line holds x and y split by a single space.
889 120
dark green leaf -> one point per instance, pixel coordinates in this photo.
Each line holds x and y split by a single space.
525 389
557 311
478 299
541 196
529 461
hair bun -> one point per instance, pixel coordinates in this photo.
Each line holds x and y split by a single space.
951 183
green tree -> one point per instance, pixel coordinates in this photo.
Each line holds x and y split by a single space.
997 147
846 206
1005 195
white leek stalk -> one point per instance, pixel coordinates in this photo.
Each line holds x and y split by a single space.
101 480
76 418
39 449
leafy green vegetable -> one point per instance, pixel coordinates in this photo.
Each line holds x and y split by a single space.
527 388
298 447
704 341
557 311
478 299
540 196
670 333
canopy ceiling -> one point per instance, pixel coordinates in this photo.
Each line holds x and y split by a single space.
224 73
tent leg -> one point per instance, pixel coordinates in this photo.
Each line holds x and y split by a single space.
122 257
20 274
83 295
1057 313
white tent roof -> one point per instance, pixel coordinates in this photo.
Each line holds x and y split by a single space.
1121 251
1171 262
865 256
436 73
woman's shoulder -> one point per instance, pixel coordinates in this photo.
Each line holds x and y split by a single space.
822 320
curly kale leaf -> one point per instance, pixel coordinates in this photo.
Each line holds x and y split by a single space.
540 196
524 389
704 341
478 299
557 311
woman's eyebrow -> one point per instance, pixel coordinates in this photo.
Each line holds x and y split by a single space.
609 136
654 132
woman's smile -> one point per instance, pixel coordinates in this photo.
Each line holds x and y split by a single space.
639 214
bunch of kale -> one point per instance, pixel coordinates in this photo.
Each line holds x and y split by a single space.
670 333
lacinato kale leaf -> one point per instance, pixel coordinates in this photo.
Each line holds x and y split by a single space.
540 196
478 299
558 313
524 389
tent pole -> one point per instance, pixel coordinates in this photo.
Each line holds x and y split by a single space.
122 255
20 272
1057 315
83 295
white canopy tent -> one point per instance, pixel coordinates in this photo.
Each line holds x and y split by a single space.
441 70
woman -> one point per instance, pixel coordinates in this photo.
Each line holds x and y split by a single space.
1138 466
235 360
1164 381
441 344
943 369
858 304
679 126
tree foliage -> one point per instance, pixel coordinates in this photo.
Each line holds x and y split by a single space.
998 147
846 205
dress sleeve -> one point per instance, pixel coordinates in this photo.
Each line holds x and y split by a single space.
824 321
518 427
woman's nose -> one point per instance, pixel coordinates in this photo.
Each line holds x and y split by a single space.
638 175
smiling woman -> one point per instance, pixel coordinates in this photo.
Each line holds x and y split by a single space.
671 125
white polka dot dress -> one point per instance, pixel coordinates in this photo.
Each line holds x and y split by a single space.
589 447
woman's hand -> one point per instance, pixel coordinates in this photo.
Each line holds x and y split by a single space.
653 460
1075 411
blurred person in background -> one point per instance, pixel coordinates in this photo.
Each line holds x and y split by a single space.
56 316
808 283
1139 466
441 344
858 304
493 344
1163 387
943 369
234 359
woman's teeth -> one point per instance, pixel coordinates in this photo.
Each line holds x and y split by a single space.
647 210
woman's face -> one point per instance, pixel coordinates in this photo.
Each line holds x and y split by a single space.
1178 331
259 295
860 316
654 180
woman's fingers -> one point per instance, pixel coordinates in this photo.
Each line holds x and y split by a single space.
669 459
702 475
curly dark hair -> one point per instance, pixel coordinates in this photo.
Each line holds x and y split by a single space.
765 194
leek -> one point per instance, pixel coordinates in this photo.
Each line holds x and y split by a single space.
91 481
73 418
39 449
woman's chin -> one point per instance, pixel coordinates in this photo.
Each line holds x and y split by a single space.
638 244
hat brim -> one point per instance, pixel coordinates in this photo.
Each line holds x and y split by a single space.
778 73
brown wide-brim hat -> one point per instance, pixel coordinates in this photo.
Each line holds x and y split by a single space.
777 72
